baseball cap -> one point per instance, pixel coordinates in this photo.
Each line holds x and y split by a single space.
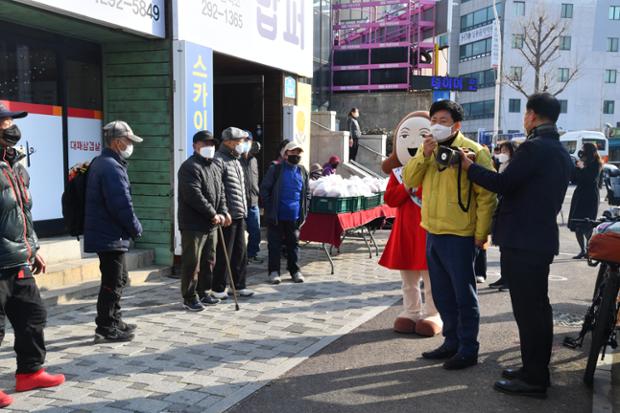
6 113
233 133
120 129
203 136
289 147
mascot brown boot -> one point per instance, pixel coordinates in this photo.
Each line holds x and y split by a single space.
406 322
431 324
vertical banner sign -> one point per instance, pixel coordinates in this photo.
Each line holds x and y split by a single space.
198 91
303 119
495 45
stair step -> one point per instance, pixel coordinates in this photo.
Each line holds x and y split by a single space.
78 271
61 249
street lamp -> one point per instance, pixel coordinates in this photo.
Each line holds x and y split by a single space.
496 61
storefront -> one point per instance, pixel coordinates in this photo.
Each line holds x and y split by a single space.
73 65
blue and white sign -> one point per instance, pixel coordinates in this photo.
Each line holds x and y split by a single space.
198 91
441 95
290 87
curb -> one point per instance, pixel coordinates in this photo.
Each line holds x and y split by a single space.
602 390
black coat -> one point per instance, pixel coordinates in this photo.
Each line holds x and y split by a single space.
201 194
586 197
233 178
18 241
532 190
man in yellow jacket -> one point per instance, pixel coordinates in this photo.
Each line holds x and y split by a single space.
457 216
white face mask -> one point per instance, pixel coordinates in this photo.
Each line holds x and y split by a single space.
126 153
502 158
248 146
240 148
207 152
441 133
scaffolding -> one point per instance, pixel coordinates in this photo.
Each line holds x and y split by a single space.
379 45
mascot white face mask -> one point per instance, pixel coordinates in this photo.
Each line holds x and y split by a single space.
408 137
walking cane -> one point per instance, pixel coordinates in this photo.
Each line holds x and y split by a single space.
230 276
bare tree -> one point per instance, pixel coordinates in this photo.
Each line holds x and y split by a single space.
541 47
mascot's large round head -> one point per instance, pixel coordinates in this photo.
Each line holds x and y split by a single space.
408 137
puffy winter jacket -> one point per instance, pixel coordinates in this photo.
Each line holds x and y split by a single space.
201 194
18 241
234 183
270 194
109 221
250 168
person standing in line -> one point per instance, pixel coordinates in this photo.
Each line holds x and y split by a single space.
285 195
525 228
250 169
586 198
233 177
110 223
355 132
20 300
202 207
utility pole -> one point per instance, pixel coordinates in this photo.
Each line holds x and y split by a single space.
497 35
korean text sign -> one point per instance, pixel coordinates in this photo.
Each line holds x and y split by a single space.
276 33
198 90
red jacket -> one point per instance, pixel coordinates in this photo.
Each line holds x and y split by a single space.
406 247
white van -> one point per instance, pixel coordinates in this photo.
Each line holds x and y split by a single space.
573 142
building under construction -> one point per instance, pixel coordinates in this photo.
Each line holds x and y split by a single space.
380 44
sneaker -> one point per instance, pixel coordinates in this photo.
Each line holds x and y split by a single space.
5 399
209 300
480 279
128 328
193 305
255 260
117 336
220 296
37 380
274 278
298 277
245 292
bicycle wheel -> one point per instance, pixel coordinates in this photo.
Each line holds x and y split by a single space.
603 324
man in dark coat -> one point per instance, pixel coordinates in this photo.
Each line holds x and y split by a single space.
202 207
227 158
532 190
20 301
109 225
285 195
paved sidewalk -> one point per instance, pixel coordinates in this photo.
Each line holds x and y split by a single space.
204 362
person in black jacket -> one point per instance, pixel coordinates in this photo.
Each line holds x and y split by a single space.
586 197
20 301
250 169
285 196
202 207
233 177
110 223
525 228
355 132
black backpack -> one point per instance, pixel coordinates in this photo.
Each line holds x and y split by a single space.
74 199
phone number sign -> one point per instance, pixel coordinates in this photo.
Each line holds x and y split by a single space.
145 17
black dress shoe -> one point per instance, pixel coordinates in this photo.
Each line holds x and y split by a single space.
440 353
518 387
511 374
128 328
580 256
459 362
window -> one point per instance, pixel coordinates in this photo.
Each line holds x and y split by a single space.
564 74
609 107
479 18
479 110
520 8
565 42
563 106
514 105
610 75
517 41
476 49
567 11
614 12
485 78
516 73
612 44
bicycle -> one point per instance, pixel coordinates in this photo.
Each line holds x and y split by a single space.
601 316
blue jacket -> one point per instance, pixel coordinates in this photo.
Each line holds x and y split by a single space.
270 194
532 190
109 221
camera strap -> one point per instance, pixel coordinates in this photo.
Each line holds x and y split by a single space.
458 189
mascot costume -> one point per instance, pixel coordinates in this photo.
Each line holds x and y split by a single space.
406 247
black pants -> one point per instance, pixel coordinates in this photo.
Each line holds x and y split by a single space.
21 303
480 263
234 238
527 273
114 278
353 149
288 232
197 262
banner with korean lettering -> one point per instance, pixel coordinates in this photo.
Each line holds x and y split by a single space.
276 33
198 91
